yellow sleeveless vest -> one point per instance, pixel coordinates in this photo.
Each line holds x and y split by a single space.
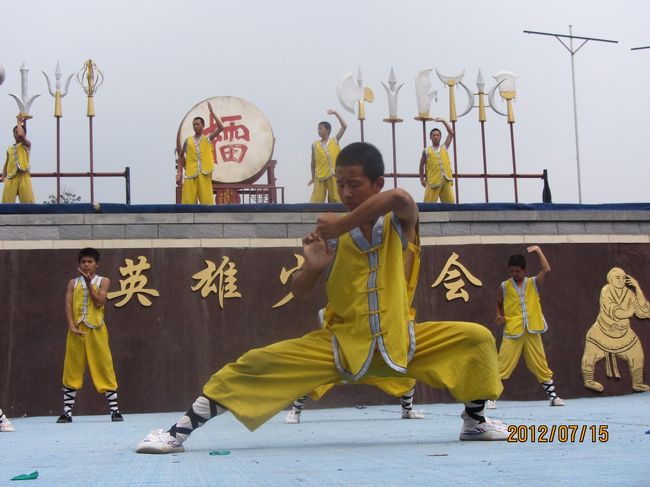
83 308
325 158
437 167
369 299
17 160
522 308
203 160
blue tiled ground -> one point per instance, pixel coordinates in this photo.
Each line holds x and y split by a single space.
358 447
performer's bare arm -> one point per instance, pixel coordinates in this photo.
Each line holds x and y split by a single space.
219 128
20 132
450 131
4 169
396 200
68 309
344 125
313 167
98 297
499 319
422 170
317 257
546 268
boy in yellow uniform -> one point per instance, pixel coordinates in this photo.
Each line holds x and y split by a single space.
367 258
87 341
519 308
323 161
15 172
197 158
435 168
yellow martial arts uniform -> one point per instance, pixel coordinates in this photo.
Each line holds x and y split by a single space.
437 170
18 182
91 349
524 325
325 168
367 334
199 164
393 386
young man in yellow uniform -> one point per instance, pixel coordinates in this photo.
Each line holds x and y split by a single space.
15 172
197 158
323 161
87 341
435 168
519 308
367 258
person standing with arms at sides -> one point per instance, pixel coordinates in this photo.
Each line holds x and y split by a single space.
197 158
435 169
323 161
15 173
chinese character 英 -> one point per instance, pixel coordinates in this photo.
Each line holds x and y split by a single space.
133 284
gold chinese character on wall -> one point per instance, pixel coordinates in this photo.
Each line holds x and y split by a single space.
451 277
133 284
285 274
227 284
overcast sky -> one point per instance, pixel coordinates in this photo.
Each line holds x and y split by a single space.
286 57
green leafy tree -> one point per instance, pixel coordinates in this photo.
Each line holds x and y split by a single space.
67 196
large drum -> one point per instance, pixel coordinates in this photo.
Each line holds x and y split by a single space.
244 147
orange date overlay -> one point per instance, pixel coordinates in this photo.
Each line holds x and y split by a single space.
562 433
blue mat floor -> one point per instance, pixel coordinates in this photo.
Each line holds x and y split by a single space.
371 446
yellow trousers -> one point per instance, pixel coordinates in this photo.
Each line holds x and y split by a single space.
533 348
21 186
457 356
92 350
393 386
326 187
199 188
444 192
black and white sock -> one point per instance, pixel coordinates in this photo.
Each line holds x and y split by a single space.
299 404
2 416
476 410
407 400
549 388
111 398
202 410
69 397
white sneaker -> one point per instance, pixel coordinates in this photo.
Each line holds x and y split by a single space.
159 441
556 401
6 426
490 430
490 404
412 414
292 417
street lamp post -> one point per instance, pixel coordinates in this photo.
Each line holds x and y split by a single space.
573 52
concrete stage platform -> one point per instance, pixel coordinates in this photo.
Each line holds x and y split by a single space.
344 446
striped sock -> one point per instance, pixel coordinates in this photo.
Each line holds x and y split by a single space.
201 411
549 388
407 400
111 398
476 410
299 404
69 397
